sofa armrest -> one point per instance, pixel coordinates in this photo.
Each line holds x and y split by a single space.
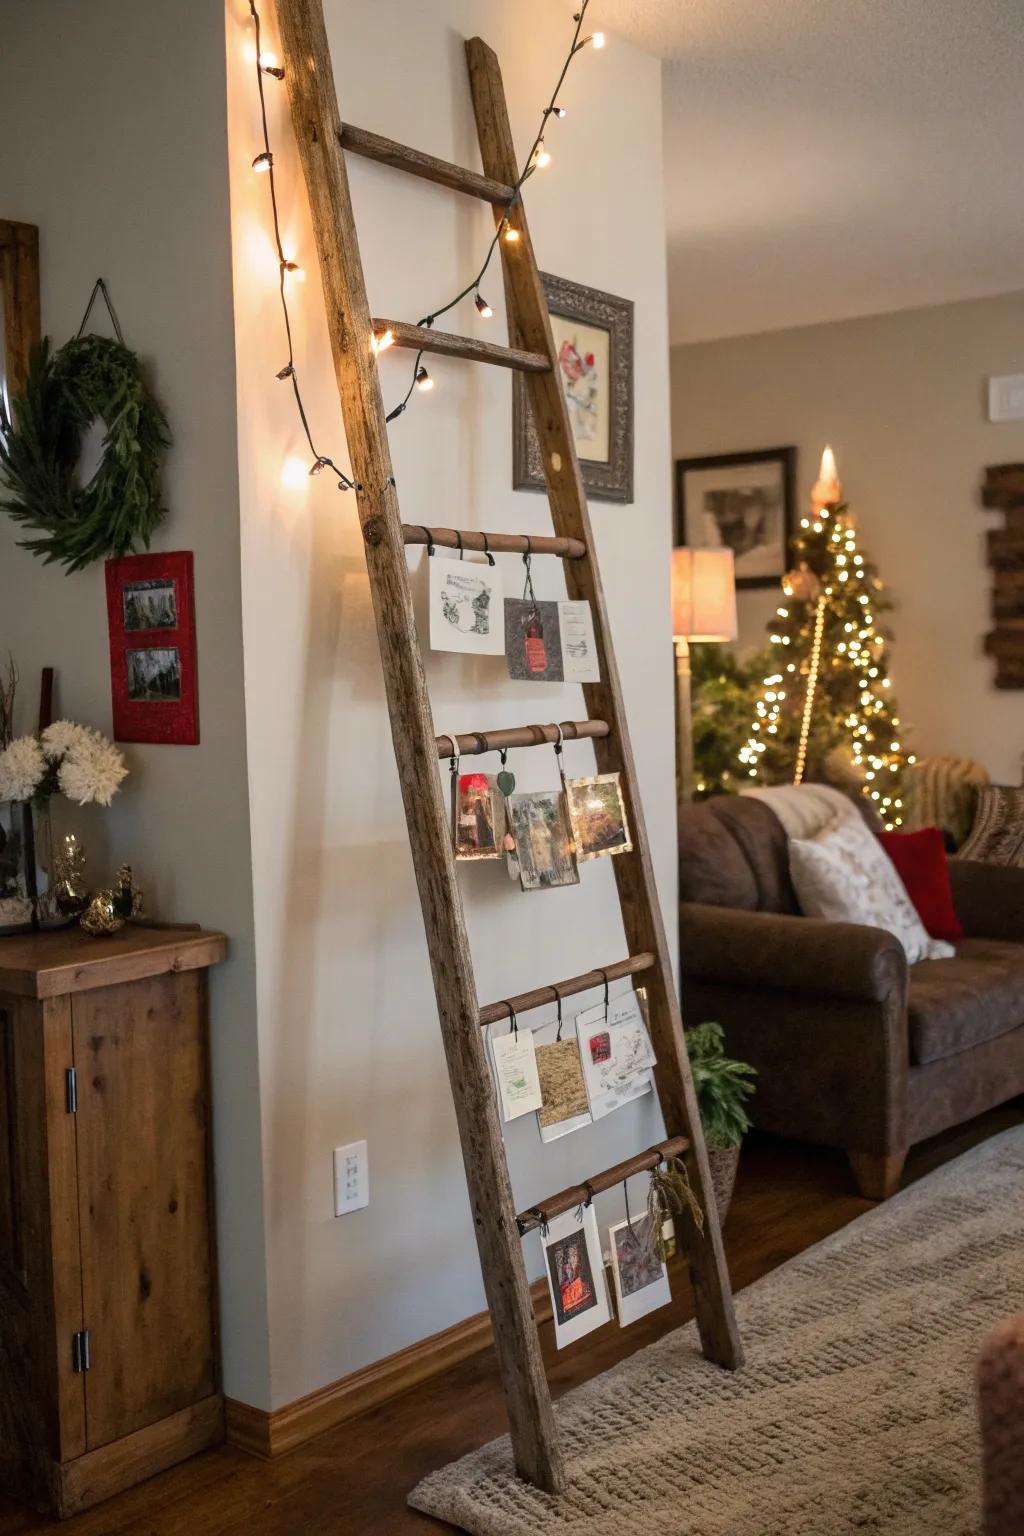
794 954
989 899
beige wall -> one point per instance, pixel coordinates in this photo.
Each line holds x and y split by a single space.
349 1041
115 143
902 400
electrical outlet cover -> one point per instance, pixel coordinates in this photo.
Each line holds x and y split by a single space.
351 1178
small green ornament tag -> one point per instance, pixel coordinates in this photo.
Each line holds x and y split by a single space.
506 782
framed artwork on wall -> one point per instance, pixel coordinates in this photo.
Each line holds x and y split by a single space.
151 619
744 502
19 282
593 334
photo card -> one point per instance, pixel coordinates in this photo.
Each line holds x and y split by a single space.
543 838
575 1274
153 659
597 814
478 816
466 607
638 1275
616 1054
533 641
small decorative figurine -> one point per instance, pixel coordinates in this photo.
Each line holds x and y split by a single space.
100 917
127 896
70 892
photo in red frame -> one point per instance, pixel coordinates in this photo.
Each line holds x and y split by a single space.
152 624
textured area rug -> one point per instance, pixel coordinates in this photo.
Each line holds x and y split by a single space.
855 1410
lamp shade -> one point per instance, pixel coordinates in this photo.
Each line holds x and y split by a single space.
703 594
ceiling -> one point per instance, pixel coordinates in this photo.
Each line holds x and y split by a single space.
832 158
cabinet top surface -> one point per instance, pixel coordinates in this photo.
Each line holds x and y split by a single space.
67 960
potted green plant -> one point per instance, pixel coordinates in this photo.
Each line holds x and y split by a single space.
723 1086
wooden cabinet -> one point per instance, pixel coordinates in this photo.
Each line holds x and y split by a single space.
108 1344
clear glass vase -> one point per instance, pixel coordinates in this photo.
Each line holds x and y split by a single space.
26 865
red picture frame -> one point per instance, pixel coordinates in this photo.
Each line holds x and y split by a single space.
152 624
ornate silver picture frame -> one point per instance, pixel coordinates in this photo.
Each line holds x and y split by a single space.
594 345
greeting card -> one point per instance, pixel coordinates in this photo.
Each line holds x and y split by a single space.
466 607
638 1275
615 1053
515 1068
478 816
533 641
575 1273
543 839
565 1106
579 648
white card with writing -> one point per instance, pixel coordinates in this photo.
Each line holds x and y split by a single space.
616 1053
579 648
515 1068
467 607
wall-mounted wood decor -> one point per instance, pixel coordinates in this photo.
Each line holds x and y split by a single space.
1003 491
19 279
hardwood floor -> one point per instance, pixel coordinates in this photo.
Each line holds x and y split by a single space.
353 1480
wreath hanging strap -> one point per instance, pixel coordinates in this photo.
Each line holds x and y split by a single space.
90 378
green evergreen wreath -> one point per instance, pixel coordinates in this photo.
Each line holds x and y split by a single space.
90 378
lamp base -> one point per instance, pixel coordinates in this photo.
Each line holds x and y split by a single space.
684 722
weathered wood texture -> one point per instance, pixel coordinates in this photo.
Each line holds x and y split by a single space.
310 80
521 736
19 279
537 997
1003 491
374 147
497 543
580 1194
106 1217
531 328
422 338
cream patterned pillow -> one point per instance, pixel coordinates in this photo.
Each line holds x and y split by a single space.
845 875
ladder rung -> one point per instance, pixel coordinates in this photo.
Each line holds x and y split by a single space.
497 543
519 736
374 147
423 338
631 966
579 1194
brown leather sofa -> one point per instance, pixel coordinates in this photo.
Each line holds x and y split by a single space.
853 1048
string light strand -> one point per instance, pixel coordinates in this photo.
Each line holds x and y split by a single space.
538 157
264 162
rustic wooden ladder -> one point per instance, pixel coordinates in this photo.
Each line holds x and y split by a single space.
321 136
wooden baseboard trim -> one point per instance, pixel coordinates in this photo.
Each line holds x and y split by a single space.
101 1473
272 1434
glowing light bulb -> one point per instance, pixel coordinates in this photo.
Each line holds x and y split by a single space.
511 235
543 156
598 39
316 467
270 66
381 340
294 271
559 111
483 307
423 379
294 473
263 162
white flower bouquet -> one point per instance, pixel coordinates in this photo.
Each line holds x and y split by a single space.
66 759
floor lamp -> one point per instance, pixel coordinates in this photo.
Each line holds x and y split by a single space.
703 608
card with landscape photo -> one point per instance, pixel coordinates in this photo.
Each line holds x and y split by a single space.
544 844
638 1275
466 607
615 1053
597 813
478 816
575 1274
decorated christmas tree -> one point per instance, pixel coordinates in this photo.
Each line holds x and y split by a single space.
826 711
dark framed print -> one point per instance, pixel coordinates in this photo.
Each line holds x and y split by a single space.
152 625
593 334
744 502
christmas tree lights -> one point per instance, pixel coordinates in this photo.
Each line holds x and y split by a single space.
826 710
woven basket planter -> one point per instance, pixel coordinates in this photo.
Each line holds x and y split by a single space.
724 1162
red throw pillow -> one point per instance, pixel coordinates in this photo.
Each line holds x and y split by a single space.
920 860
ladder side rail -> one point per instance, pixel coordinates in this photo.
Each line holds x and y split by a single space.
530 328
317 123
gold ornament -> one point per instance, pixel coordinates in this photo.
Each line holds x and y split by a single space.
127 896
100 917
70 891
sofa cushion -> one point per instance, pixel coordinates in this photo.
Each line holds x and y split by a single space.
763 842
959 1003
712 866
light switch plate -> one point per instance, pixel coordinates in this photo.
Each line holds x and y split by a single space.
1006 397
351 1178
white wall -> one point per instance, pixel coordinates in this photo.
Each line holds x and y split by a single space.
113 121
901 398
349 1042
